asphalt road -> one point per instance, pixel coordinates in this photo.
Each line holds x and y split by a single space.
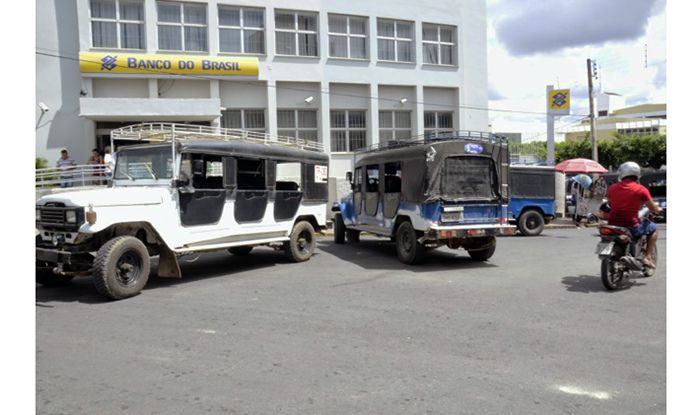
354 331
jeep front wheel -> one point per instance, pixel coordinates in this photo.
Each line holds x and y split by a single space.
301 242
121 268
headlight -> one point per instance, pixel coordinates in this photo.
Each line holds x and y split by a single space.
38 215
70 216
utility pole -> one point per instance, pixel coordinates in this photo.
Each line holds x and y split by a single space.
592 71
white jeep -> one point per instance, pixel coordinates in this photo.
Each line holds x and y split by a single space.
183 190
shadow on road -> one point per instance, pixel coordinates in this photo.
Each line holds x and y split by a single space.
377 254
588 284
194 269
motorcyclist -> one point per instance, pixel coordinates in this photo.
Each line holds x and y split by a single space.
625 199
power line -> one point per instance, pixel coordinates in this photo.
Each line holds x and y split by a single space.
61 55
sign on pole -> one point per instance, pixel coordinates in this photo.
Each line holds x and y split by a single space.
558 104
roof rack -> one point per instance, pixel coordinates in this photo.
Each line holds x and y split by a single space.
435 137
169 132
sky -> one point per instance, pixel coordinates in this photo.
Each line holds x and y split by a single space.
547 42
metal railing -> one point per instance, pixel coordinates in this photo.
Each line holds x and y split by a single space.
167 132
433 137
78 176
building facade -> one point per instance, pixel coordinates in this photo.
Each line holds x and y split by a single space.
615 117
346 74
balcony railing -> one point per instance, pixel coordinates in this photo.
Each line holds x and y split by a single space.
78 176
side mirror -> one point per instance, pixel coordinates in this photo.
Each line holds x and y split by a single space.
348 176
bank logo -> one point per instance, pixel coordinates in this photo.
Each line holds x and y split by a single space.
559 99
109 63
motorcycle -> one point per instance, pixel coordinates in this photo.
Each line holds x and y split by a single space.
622 253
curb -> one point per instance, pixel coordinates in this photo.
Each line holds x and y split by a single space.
550 226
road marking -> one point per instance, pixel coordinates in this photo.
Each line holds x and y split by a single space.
577 391
206 331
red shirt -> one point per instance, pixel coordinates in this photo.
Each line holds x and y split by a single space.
626 198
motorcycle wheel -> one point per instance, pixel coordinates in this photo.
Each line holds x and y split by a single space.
612 271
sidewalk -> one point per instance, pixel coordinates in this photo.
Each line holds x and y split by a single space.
568 223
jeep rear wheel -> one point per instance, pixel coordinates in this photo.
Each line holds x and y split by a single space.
338 229
301 242
121 268
240 250
408 249
482 254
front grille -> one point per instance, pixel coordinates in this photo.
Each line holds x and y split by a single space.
54 218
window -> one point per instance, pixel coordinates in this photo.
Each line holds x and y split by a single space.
372 173
117 24
439 44
394 126
437 123
250 120
182 26
348 130
241 30
347 37
395 41
296 34
392 178
300 124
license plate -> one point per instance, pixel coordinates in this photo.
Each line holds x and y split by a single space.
604 248
451 217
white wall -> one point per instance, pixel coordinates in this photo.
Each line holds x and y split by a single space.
283 82
58 83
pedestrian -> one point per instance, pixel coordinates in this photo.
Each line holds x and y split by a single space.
96 160
109 162
64 165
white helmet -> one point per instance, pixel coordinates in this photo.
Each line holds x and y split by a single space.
629 169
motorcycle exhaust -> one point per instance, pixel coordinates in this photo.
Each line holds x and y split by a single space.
631 263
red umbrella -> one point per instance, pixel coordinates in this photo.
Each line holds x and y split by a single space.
576 166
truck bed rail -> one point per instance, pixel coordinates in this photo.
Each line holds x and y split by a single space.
434 137
169 132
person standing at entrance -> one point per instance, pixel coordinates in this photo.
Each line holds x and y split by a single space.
96 160
64 165
109 162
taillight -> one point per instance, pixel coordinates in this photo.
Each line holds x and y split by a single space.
606 231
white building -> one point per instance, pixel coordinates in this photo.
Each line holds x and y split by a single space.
346 73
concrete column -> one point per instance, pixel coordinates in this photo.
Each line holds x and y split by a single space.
272 107
559 194
215 94
324 128
420 108
373 115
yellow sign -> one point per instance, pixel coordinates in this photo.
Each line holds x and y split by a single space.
558 100
164 64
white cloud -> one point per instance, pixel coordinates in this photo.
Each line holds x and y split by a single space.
522 61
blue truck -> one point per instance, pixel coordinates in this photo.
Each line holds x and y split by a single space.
531 203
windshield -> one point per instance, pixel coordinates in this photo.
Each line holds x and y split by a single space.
144 163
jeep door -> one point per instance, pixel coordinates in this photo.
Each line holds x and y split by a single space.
202 200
